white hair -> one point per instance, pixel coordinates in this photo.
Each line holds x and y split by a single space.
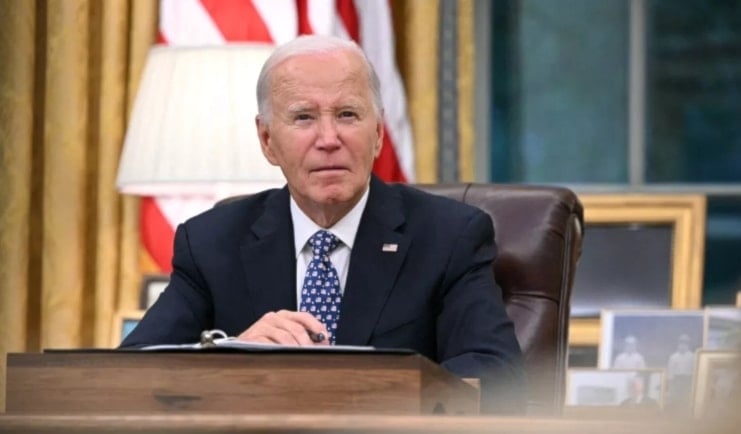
308 44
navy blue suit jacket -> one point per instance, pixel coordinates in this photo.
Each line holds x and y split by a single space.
435 294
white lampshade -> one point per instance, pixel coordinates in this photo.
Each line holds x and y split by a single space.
192 131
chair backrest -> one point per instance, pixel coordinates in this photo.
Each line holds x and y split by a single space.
538 231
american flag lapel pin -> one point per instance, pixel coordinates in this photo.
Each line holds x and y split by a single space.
390 247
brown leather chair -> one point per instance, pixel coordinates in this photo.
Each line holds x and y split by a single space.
538 231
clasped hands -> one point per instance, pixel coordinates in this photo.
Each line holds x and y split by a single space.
287 327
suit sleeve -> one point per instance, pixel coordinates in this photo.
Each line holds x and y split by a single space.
475 336
183 310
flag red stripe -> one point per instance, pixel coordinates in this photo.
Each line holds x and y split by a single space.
156 234
349 15
238 20
304 25
387 165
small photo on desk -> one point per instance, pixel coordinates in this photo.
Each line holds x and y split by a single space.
645 339
717 381
655 339
642 388
722 328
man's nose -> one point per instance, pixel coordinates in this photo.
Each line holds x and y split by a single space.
328 135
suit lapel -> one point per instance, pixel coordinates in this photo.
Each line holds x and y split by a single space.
269 259
373 268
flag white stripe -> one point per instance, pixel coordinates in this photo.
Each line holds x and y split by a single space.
377 38
187 22
321 16
280 17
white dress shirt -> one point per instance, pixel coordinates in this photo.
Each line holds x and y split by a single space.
344 230
629 361
681 363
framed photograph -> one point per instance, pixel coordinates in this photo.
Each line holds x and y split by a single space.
152 287
639 339
641 251
722 328
635 388
655 339
123 323
717 381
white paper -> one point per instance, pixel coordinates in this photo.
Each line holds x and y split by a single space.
235 343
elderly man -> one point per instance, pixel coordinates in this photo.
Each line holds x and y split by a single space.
337 256
630 358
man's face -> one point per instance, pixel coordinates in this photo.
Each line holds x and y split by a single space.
636 387
631 347
324 133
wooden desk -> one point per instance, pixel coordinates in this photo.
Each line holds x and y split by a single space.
143 382
314 424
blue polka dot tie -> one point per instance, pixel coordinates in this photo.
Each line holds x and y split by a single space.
320 294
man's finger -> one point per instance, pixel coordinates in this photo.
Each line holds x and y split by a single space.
287 328
316 331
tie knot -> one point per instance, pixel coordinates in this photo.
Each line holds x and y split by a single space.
323 243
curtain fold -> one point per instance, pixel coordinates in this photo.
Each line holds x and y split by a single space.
63 187
17 29
416 26
142 34
110 111
466 79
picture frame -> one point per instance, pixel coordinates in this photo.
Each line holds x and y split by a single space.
626 388
682 215
717 380
655 339
656 335
124 322
722 328
151 287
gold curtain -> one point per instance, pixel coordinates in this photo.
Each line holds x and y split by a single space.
417 26
66 255
466 79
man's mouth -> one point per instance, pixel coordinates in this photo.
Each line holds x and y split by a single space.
329 169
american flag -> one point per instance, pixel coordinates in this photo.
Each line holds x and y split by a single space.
216 22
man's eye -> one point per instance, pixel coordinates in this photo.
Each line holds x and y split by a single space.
303 117
348 114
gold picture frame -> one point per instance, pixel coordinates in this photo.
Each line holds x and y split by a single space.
716 375
123 322
685 213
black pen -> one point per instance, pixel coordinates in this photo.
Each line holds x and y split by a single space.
315 337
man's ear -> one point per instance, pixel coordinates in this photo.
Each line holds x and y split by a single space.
379 140
263 133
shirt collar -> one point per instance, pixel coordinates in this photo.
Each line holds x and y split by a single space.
345 229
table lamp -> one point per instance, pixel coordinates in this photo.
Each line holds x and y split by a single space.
192 129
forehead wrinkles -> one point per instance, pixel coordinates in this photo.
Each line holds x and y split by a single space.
295 81
293 96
